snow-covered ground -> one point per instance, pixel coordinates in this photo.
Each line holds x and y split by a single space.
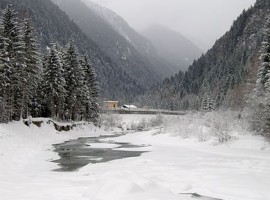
177 162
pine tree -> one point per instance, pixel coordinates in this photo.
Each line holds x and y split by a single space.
75 79
264 68
211 103
207 102
4 84
15 59
92 107
38 105
204 104
5 71
219 99
53 85
32 61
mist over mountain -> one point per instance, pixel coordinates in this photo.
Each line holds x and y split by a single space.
191 18
123 45
172 46
141 43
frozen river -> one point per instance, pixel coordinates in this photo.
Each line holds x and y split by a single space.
78 153
146 165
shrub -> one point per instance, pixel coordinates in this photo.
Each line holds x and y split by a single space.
156 121
111 121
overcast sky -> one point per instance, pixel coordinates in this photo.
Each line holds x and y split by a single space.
203 21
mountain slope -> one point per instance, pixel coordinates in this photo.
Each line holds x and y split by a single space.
52 24
141 44
224 75
172 46
118 48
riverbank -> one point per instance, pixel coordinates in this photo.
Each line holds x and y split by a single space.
239 170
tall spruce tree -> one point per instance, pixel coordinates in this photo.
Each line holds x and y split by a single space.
16 61
53 85
92 106
5 71
75 79
264 68
32 62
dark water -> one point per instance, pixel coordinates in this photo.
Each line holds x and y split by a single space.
78 153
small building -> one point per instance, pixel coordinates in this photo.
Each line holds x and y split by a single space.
110 105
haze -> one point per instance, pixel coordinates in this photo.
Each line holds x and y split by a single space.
202 21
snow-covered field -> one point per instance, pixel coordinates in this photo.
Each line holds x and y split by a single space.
185 156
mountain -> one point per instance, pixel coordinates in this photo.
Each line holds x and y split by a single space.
225 75
52 24
128 49
117 47
141 43
172 46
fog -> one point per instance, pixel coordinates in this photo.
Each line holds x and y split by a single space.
202 21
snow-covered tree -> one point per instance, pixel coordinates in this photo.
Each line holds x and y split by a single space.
15 61
32 62
28 68
65 87
207 101
263 76
75 78
4 78
54 85
261 105
92 106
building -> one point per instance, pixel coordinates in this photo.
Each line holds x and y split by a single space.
110 105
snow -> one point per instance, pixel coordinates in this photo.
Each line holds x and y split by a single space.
176 163
127 185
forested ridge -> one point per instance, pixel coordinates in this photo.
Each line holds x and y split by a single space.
211 80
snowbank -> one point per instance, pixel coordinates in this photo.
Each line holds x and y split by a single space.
123 185
217 127
235 170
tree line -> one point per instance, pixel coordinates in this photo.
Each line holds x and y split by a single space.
58 83
211 81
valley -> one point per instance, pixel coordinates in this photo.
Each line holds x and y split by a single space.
116 100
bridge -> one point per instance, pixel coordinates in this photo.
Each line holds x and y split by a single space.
142 111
